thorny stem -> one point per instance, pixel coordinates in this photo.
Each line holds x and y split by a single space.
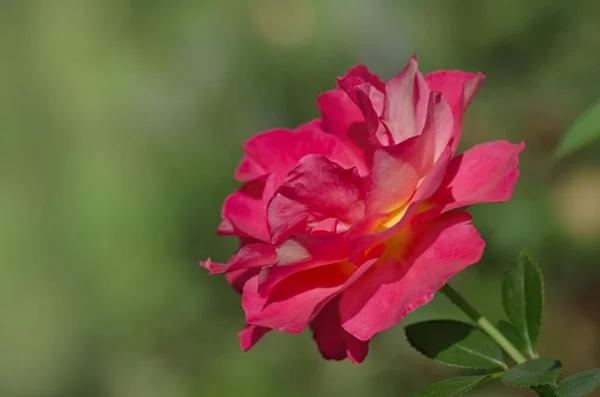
483 323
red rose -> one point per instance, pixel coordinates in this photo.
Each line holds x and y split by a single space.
345 223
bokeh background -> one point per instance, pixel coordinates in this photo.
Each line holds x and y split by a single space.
120 127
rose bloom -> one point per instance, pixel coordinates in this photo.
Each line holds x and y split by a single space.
350 221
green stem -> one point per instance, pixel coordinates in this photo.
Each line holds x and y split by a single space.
484 324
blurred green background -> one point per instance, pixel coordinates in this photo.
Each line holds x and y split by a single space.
121 123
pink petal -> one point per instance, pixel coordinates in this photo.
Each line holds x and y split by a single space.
362 72
255 162
356 349
415 212
434 178
439 123
247 215
303 252
212 266
397 170
397 285
361 137
370 101
250 256
334 342
370 246
406 100
393 180
297 300
338 112
317 189
366 247
226 228
487 173
250 335
238 278
278 151
458 88
340 116
249 169
328 226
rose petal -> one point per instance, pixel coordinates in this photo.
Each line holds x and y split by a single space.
226 228
370 101
328 226
238 278
340 116
434 178
299 298
247 215
406 99
212 266
334 342
397 170
487 173
317 189
395 286
362 72
338 112
359 134
278 151
439 123
366 247
250 256
419 208
250 335
458 88
393 179
303 252
296 301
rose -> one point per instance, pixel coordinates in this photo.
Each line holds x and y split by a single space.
349 222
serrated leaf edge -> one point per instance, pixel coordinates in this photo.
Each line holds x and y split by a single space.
501 364
469 387
553 389
536 384
538 270
531 348
558 389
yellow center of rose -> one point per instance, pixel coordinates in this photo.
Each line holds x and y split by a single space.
397 245
395 217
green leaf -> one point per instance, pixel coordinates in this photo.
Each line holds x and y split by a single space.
455 343
523 298
453 387
580 385
513 336
545 391
541 371
583 131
